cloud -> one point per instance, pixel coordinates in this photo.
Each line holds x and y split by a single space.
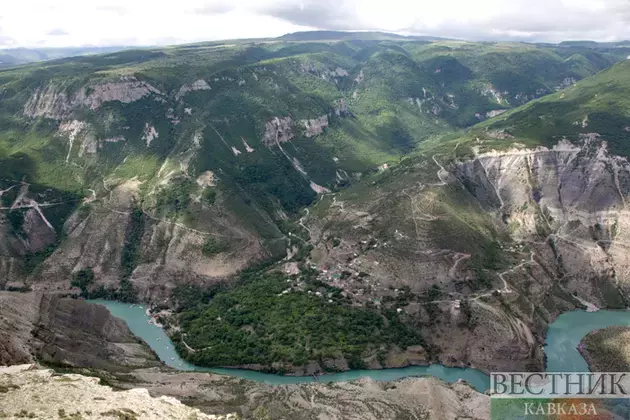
96 22
113 9
57 32
5 40
539 20
215 8
321 14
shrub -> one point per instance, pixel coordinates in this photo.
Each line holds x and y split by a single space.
83 279
209 195
214 246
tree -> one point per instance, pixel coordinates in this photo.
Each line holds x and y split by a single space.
83 279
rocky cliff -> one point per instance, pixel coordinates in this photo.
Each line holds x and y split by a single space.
161 254
46 328
568 204
54 101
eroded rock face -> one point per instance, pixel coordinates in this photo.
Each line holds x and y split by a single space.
359 77
171 252
207 179
570 201
79 131
150 134
37 233
340 72
567 179
200 84
315 126
65 331
498 96
53 101
126 91
341 108
278 130
494 113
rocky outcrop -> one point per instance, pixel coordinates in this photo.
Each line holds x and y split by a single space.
566 82
126 90
42 394
150 134
341 108
75 131
585 182
207 179
499 97
44 327
278 130
494 113
339 72
359 77
200 84
50 101
323 72
315 126
53 100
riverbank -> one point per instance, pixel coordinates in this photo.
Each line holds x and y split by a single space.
562 344
137 320
562 340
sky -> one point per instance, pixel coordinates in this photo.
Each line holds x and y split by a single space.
60 23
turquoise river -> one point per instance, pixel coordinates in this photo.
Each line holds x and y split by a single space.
561 344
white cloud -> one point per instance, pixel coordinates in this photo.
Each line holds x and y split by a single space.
143 22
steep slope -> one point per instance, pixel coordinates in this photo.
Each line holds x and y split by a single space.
596 105
183 165
66 332
495 232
